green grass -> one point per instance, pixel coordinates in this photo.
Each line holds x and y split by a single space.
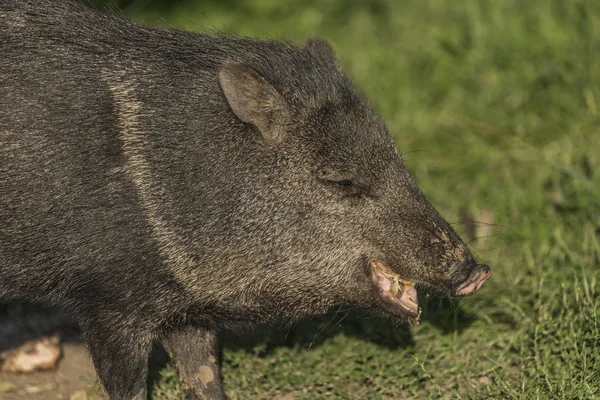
496 105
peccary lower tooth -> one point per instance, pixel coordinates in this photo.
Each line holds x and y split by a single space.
395 287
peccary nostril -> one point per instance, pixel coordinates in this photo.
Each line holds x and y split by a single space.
479 275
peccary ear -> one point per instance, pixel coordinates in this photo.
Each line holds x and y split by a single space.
253 100
321 49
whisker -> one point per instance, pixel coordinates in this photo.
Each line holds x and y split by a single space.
329 324
413 151
484 237
476 223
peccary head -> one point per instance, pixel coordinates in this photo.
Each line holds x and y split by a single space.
341 214
311 206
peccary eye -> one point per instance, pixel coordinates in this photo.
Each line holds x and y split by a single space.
344 183
348 187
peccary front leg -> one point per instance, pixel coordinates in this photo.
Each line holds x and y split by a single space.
121 360
195 354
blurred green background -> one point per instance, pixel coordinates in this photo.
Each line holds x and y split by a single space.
496 106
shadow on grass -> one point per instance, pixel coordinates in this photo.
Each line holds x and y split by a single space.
442 313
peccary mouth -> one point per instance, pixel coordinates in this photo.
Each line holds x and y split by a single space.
394 290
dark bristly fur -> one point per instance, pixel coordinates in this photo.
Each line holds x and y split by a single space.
163 184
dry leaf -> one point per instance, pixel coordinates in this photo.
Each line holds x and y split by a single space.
35 355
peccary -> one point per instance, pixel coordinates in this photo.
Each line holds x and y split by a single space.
163 184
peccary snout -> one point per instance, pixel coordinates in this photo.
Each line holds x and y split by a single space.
479 274
418 248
